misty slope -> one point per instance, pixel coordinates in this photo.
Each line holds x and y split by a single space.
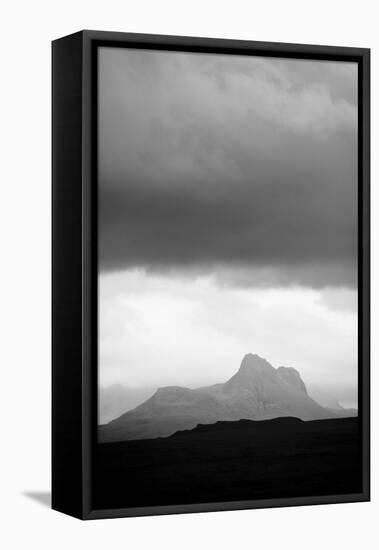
323 398
257 391
116 399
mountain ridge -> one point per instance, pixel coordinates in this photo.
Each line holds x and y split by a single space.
257 391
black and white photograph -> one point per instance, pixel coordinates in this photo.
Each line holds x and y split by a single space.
188 223
227 278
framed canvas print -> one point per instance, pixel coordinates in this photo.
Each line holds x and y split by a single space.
210 274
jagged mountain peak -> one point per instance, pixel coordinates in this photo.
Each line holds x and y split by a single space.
253 363
253 370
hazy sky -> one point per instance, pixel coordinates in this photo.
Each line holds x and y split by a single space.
227 217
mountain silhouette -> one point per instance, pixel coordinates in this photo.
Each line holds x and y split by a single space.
257 391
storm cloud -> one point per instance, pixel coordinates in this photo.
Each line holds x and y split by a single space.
241 166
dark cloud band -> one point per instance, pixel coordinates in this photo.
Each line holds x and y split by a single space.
209 163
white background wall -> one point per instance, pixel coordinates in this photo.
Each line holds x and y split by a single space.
27 29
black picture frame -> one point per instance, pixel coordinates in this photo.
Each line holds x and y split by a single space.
74 269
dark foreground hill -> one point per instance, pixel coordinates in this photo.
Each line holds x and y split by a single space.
257 391
231 461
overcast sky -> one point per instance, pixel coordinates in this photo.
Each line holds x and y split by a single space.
227 217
